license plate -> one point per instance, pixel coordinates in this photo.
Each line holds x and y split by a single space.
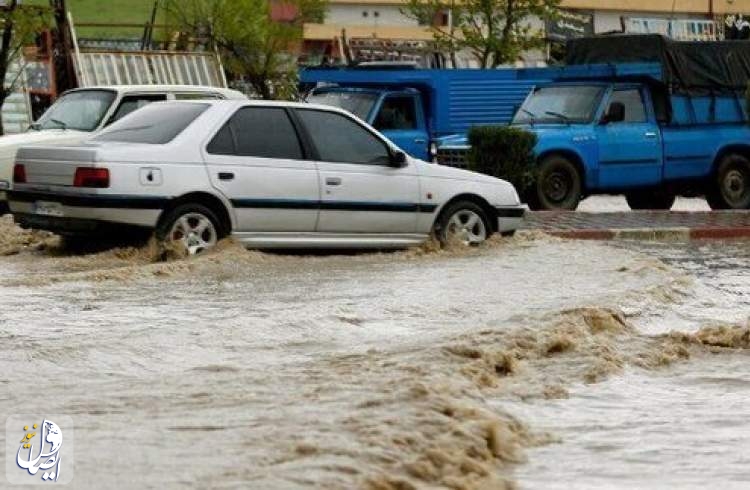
47 208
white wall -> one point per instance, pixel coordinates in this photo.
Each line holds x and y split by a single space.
389 15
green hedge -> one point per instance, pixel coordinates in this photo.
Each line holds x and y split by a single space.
504 152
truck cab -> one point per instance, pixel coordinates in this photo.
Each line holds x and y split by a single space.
398 114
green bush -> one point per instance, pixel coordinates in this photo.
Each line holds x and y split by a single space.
504 152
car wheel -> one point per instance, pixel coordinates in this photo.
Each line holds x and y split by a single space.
731 189
650 199
463 222
192 226
558 185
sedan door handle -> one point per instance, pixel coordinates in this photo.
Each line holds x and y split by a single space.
650 134
333 181
226 176
420 141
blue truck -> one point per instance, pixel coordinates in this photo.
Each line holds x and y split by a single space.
638 115
416 108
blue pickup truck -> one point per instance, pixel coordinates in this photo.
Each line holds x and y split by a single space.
679 127
415 108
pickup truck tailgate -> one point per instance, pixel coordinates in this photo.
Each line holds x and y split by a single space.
54 165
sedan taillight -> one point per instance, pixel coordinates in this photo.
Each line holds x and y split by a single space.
91 177
19 174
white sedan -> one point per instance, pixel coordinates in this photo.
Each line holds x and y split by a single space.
269 174
78 113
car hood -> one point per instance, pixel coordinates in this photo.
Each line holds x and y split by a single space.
445 172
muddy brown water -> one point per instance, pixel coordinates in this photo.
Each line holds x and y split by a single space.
528 362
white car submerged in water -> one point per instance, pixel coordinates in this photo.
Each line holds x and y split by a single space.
269 174
80 112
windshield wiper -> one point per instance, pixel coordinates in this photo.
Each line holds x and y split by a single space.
561 116
35 126
531 115
60 123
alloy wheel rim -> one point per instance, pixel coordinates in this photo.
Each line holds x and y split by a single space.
195 231
467 227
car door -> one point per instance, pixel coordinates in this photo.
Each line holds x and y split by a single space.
401 120
257 161
630 151
361 192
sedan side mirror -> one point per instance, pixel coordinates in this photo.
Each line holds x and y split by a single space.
615 113
398 159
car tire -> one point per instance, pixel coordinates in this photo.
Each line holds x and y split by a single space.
194 226
463 222
731 187
558 185
650 199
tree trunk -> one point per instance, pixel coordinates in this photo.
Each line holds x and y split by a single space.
5 51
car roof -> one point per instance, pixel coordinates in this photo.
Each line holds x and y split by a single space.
228 93
261 103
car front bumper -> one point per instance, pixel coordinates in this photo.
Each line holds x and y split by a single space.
509 218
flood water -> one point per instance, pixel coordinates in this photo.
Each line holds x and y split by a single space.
416 369
685 426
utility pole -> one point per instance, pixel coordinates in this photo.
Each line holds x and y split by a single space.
63 47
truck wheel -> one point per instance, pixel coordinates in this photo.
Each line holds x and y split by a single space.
558 185
650 199
193 226
463 222
731 189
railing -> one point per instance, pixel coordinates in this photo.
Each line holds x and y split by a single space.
680 30
149 68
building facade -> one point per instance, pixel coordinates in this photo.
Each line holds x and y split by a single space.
380 24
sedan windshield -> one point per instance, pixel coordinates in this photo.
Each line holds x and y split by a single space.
561 104
155 124
358 103
82 110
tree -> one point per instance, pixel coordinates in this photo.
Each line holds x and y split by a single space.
20 26
253 46
493 31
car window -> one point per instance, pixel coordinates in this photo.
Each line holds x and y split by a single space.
223 142
82 110
340 139
265 132
397 112
635 111
155 124
131 103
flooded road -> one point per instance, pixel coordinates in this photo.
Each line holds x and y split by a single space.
417 369
685 426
